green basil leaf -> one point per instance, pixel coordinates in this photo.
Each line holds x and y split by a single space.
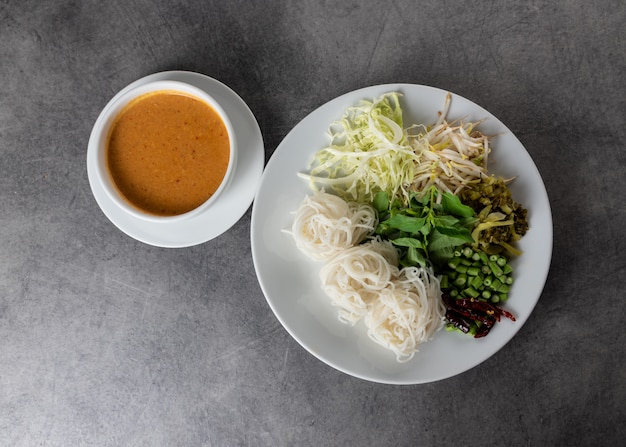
442 256
381 201
460 233
414 257
440 241
408 242
451 204
425 199
445 221
405 223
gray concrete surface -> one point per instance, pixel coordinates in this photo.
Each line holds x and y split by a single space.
105 341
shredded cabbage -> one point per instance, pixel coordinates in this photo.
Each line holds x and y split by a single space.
369 152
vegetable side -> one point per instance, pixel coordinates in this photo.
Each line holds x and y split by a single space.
436 201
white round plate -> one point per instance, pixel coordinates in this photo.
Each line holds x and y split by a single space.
234 200
290 281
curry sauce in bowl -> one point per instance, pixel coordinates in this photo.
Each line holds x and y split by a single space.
166 151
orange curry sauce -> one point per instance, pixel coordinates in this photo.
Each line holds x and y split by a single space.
168 152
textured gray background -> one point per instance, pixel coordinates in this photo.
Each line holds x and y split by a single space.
105 341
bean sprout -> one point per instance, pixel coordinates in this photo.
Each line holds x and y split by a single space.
450 155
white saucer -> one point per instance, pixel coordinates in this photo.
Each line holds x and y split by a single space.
235 199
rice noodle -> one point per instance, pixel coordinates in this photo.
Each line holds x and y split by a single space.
354 278
401 309
325 225
407 313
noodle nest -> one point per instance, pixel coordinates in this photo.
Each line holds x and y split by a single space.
325 225
401 308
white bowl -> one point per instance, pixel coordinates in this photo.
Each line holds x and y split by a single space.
107 118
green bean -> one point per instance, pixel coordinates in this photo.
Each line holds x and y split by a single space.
444 283
473 271
460 280
475 274
476 282
470 291
483 257
504 288
454 263
495 285
495 268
